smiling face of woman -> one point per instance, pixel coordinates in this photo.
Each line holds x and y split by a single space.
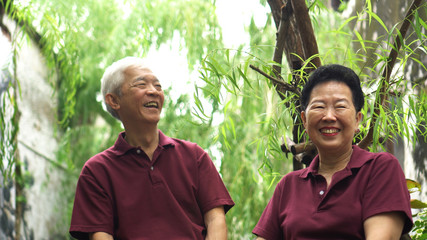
330 118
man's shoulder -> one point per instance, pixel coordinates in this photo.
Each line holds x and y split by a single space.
180 143
183 142
101 158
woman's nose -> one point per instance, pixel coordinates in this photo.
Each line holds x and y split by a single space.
329 114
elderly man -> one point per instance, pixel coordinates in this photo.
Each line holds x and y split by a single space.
147 185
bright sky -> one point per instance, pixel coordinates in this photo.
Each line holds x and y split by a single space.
233 17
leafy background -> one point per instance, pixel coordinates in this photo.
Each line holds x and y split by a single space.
233 112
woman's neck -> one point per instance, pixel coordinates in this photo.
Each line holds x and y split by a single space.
330 163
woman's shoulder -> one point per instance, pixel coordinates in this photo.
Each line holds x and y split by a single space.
376 157
293 177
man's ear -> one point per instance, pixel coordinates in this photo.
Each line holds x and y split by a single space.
112 100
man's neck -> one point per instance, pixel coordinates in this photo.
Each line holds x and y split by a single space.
146 137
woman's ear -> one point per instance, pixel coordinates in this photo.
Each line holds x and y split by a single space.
303 117
359 117
112 100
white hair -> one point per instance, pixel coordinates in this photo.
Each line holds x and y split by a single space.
113 78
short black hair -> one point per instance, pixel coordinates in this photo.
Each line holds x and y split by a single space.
338 73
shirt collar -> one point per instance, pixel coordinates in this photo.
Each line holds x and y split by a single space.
358 158
121 147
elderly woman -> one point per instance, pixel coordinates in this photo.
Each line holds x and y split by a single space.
346 192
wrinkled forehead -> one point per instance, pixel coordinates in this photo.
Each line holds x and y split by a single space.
139 72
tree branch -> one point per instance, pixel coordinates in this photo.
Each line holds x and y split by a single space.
280 85
276 6
306 32
382 93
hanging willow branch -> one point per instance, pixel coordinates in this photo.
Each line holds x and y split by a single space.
383 91
295 38
280 85
292 21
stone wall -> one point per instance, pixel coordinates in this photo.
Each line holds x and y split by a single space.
37 145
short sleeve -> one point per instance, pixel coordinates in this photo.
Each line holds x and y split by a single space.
268 226
386 190
211 190
92 211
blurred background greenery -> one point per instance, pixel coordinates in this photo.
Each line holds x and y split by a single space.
231 111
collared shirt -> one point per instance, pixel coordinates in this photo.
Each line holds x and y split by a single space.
302 207
121 192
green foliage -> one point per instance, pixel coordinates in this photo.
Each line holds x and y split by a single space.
237 115
242 98
78 40
9 119
8 132
419 232
249 133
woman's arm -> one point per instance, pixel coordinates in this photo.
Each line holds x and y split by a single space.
387 226
100 236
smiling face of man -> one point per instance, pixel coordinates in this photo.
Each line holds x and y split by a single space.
330 118
141 99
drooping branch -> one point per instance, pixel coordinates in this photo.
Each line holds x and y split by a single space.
297 41
289 40
382 93
280 85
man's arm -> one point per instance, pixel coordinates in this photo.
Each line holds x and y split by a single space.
385 226
215 224
100 236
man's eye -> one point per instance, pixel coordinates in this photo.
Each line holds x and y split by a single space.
139 84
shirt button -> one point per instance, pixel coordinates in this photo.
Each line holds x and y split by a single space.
152 168
138 151
321 193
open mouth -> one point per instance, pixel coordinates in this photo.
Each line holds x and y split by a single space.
329 130
151 105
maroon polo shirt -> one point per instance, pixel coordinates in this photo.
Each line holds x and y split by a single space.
303 208
121 192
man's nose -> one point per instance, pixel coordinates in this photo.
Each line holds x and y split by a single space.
152 89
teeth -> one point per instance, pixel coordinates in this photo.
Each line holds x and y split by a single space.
329 130
151 104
